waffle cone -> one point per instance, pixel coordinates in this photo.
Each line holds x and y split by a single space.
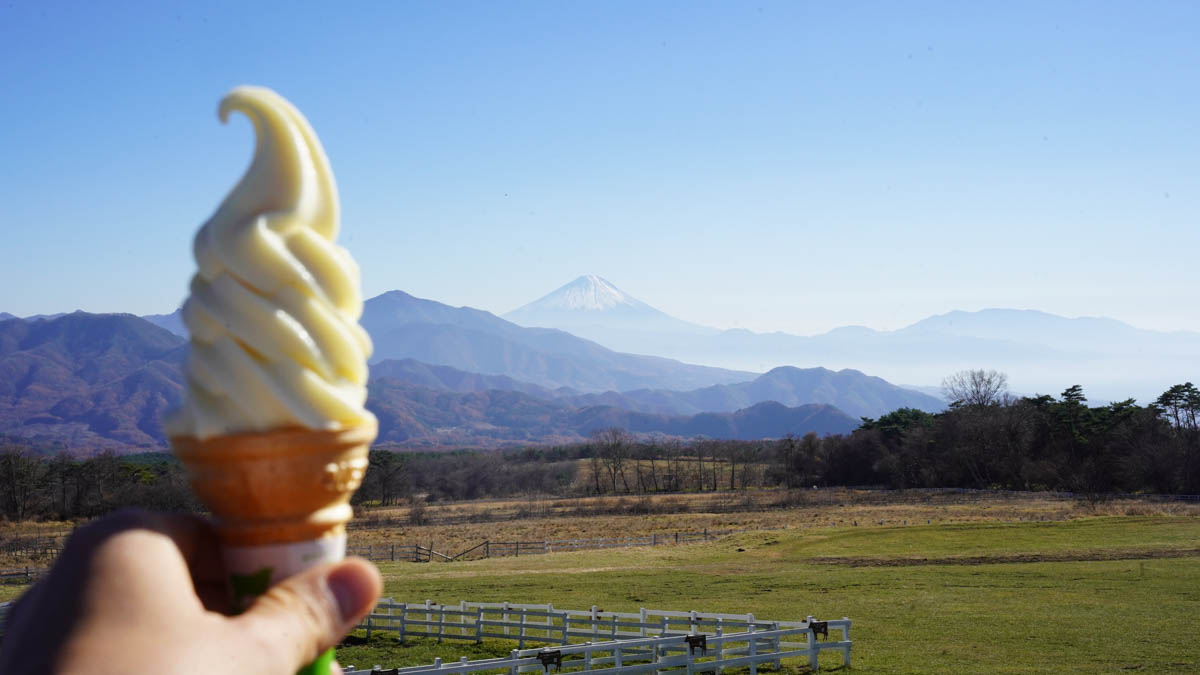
280 486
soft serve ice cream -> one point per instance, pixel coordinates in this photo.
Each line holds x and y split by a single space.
273 428
274 305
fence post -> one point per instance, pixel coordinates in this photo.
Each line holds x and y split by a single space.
775 644
812 645
642 620
566 630
657 657
691 658
369 624
595 624
720 645
514 656
403 618
753 651
504 617
846 639
478 625
524 618
390 602
441 623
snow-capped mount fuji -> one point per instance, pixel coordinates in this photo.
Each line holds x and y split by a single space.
587 293
594 308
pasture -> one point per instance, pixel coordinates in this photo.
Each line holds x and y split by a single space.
934 582
1094 594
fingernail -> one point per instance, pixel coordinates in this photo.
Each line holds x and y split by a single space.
353 588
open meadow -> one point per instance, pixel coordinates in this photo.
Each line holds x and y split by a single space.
1093 594
933 581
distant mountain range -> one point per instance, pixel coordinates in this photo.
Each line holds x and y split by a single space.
418 416
103 381
407 327
1040 352
403 326
852 392
92 381
445 375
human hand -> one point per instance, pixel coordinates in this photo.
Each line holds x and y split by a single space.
140 592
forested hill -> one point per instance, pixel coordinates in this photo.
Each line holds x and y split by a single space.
90 381
94 382
415 415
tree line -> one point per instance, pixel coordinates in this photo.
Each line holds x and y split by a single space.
64 487
986 439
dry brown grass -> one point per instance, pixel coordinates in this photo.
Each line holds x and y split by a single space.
455 527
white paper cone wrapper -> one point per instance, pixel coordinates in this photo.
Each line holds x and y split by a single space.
254 569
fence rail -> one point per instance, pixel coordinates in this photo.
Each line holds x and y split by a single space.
496 549
25 576
606 643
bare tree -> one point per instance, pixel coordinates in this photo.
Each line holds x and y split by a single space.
386 476
976 387
20 473
614 446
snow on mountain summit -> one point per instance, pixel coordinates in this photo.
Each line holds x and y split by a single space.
592 307
589 292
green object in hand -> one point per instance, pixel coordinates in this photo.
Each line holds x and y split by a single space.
246 587
322 666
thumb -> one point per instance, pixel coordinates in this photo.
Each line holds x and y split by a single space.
296 620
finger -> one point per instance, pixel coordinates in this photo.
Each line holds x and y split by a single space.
199 545
308 613
23 619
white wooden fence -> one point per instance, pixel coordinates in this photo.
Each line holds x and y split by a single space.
607 642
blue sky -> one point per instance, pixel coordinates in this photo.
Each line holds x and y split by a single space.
773 166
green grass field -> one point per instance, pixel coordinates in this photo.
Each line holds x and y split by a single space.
1101 594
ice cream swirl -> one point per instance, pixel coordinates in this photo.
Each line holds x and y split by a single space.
274 305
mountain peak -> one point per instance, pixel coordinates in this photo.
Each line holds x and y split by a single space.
589 293
593 308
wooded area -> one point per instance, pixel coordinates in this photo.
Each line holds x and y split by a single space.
993 441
